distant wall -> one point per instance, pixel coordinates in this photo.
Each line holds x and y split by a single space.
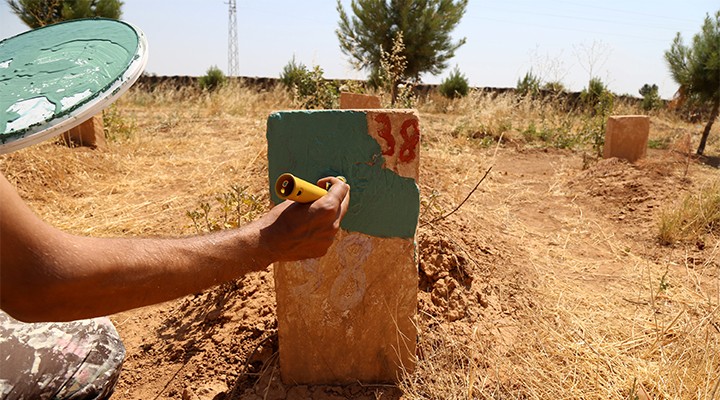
150 82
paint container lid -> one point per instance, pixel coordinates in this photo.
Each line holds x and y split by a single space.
55 77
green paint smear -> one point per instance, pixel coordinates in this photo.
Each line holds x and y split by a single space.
62 60
315 144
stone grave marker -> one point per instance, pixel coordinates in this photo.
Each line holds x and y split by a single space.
626 137
348 317
90 133
349 101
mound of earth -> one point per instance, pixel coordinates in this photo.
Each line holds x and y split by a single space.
625 191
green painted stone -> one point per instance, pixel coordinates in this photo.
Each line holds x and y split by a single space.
49 75
315 144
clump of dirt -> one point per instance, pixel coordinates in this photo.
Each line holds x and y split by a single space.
222 344
630 192
446 275
215 337
467 274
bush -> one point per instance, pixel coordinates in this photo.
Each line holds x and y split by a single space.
596 93
555 87
651 98
599 100
116 125
315 91
529 84
213 79
309 88
560 136
292 74
233 208
455 85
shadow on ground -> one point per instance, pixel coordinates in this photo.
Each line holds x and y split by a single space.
713 161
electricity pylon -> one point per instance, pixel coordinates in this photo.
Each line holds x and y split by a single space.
232 39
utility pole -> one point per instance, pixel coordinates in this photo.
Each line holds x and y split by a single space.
232 39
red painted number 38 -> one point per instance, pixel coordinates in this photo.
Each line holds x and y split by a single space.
409 131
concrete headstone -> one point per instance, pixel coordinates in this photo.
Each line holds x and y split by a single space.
349 101
626 137
349 316
89 134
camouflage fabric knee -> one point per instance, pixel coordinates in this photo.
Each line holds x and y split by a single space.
69 360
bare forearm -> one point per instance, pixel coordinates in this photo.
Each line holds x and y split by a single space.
103 276
67 277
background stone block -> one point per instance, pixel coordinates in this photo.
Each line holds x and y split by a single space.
90 133
626 137
358 101
348 316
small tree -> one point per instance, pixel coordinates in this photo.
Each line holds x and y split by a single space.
554 86
455 85
424 24
599 100
213 79
528 85
309 88
292 74
37 13
391 76
651 98
696 68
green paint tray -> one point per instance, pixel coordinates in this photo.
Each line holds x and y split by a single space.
55 77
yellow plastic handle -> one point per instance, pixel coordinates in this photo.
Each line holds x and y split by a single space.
289 187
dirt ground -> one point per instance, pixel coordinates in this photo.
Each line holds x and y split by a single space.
476 275
552 249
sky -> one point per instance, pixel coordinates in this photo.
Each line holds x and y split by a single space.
620 41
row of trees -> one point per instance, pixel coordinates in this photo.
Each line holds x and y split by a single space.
370 36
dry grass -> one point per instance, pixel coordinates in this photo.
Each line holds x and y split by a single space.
615 324
605 323
695 219
183 147
484 117
595 314
647 328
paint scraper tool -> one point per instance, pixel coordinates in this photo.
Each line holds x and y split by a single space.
290 187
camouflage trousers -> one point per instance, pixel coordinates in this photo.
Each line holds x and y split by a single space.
69 360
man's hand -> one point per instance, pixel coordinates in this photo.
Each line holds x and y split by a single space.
295 231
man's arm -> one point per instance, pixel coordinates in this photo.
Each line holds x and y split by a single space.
49 275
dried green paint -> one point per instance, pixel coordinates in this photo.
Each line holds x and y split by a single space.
71 60
315 144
